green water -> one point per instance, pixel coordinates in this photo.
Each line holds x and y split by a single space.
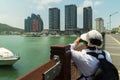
34 51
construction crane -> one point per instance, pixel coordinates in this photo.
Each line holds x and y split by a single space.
113 13
110 18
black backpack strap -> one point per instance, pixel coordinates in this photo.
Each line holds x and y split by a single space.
94 54
103 53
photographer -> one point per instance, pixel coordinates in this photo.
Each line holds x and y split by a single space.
86 64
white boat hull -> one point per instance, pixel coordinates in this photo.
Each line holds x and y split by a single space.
8 61
7 57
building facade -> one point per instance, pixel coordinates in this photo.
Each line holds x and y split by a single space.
70 19
54 20
28 24
87 18
33 23
100 24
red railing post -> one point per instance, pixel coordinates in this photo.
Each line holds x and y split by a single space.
63 51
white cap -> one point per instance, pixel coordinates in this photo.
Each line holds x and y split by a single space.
93 34
83 37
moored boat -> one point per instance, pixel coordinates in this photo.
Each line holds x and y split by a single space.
7 57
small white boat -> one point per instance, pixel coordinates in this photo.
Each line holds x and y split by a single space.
7 57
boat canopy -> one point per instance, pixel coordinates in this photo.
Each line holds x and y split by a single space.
5 53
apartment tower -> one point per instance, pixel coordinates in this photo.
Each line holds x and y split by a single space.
70 19
87 19
54 20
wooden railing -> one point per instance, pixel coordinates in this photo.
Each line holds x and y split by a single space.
37 74
63 52
60 69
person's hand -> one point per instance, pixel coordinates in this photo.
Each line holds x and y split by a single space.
76 42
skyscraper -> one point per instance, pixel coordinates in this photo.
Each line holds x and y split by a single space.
28 24
54 20
40 23
87 18
33 23
70 19
100 24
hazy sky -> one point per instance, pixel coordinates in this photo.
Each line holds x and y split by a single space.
13 12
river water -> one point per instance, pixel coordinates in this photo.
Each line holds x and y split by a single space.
34 51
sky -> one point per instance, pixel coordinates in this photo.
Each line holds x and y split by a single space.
14 12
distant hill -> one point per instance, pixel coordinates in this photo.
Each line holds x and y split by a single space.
7 29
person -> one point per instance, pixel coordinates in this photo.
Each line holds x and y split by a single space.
87 64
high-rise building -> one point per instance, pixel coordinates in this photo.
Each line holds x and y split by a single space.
54 20
100 24
28 24
40 23
33 23
70 19
87 19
